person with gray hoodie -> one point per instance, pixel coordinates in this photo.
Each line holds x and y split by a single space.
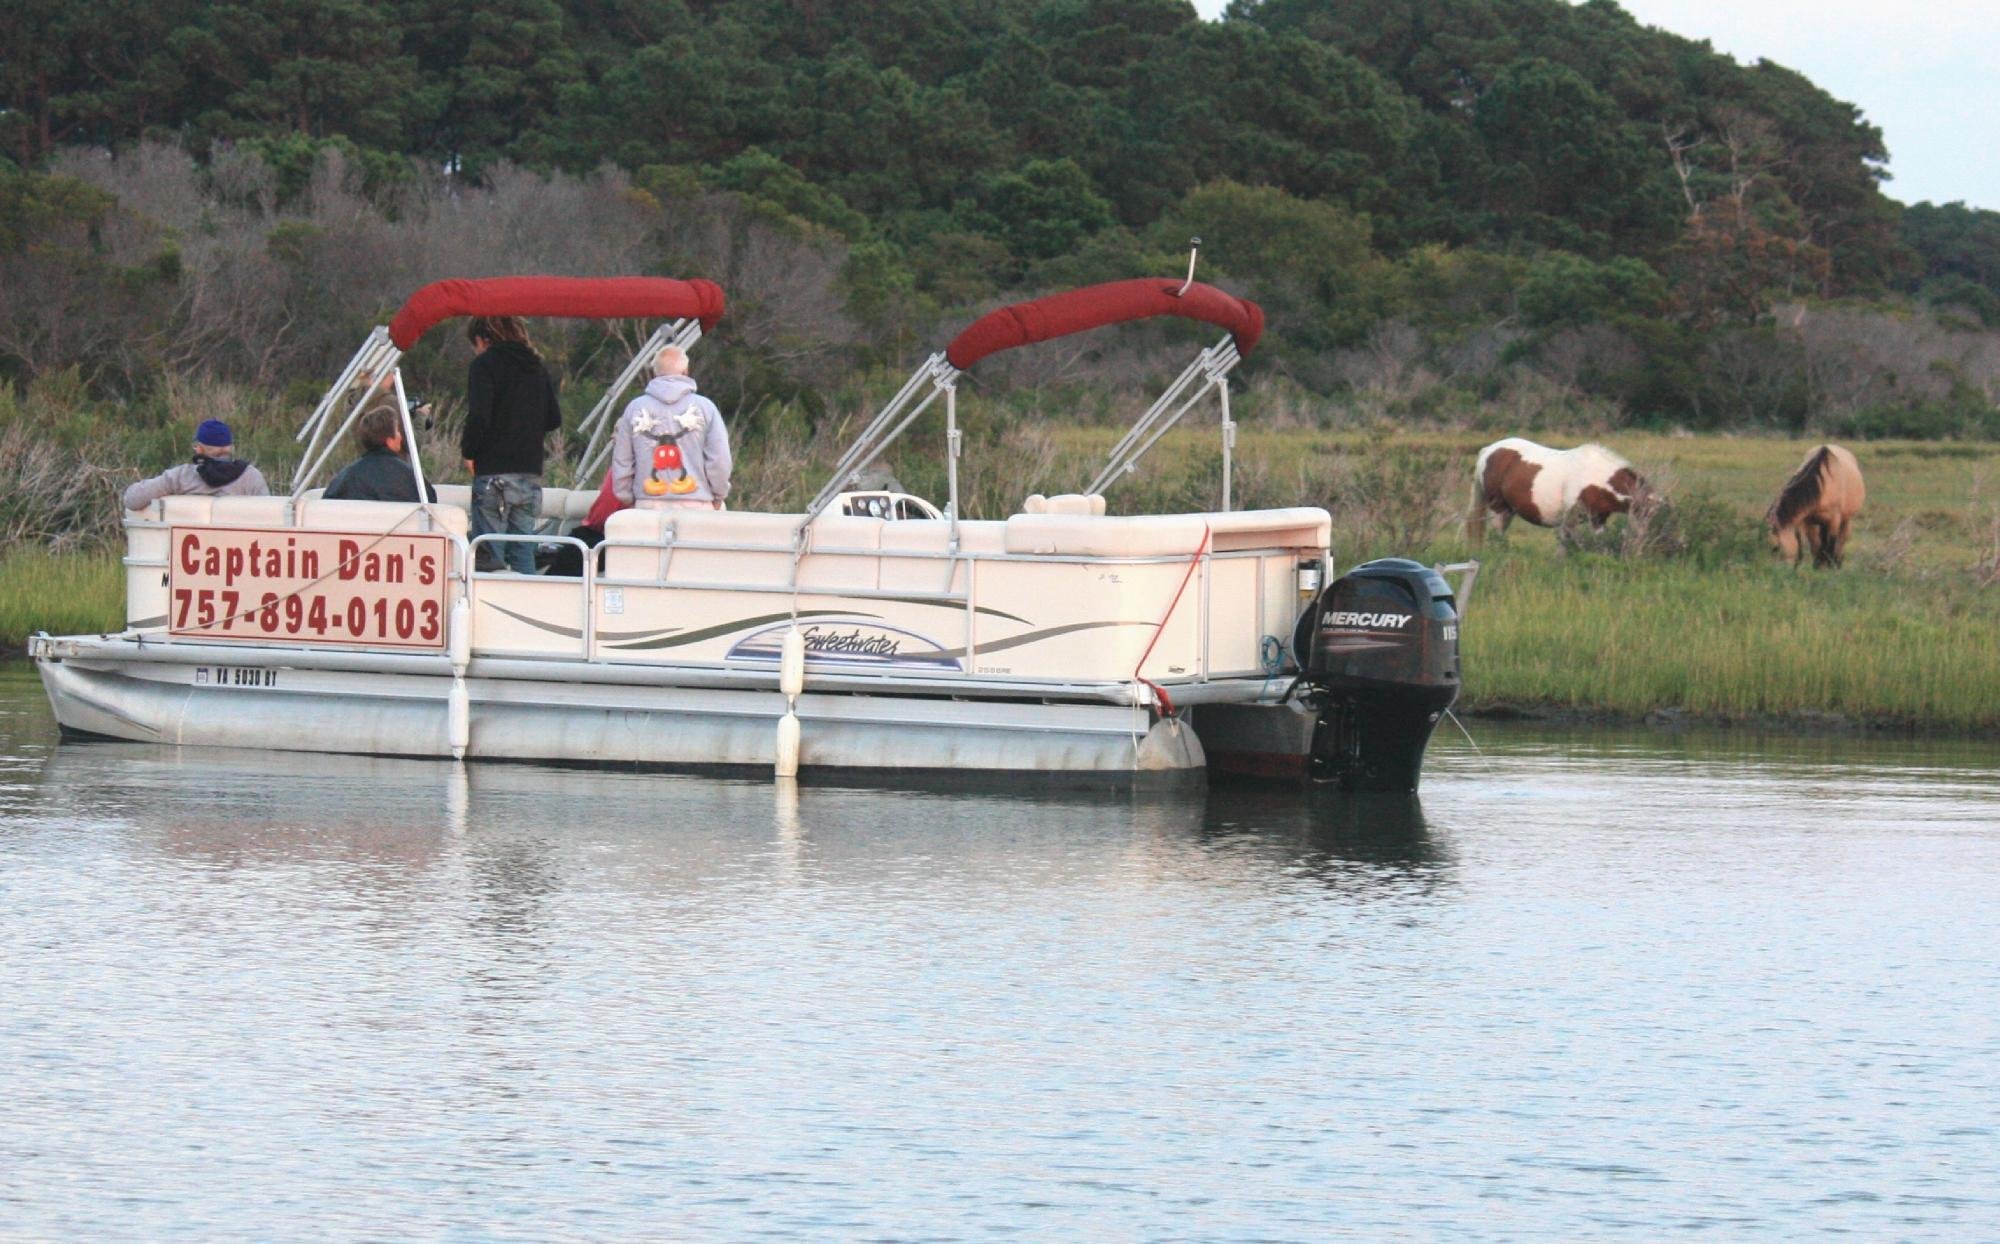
670 449
215 472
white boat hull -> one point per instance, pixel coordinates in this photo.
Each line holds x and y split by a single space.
96 690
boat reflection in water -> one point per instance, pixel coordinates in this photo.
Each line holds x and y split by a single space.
384 823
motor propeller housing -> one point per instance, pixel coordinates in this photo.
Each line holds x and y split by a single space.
1379 651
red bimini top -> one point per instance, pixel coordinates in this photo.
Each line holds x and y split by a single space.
1095 306
558 297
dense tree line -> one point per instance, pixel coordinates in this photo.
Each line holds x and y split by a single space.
1547 179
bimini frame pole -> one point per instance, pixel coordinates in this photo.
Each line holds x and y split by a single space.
311 465
1210 370
410 438
951 447
680 333
937 375
376 355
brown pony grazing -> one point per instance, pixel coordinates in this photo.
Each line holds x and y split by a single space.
1517 478
1816 505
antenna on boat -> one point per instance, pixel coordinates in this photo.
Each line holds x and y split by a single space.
1194 248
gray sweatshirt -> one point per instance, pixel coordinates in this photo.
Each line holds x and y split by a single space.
670 412
185 480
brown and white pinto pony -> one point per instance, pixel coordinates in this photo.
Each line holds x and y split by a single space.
1518 478
1815 506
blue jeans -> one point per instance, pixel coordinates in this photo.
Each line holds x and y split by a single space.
510 503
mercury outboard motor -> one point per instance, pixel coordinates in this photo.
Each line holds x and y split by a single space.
1380 653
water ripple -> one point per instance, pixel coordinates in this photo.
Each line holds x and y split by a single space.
1610 985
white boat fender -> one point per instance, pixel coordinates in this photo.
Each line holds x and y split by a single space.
788 745
460 642
458 718
458 703
792 663
791 681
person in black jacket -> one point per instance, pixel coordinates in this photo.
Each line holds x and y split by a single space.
511 407
381 473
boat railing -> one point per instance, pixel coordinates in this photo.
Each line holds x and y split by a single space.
477 583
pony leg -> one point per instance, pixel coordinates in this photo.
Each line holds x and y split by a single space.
1839 550
1821 533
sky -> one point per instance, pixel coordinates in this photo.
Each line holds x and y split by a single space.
1926 71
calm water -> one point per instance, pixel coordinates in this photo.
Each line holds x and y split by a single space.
1619 984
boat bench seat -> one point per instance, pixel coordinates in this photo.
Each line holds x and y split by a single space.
1065 503
372 516
844 551
225 511
1167 535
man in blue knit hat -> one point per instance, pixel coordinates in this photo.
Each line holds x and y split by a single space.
215 472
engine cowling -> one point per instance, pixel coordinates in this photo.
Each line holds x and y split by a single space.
1379 651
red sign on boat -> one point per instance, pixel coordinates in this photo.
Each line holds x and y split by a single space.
361 589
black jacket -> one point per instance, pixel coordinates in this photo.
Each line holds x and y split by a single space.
511 406
377 475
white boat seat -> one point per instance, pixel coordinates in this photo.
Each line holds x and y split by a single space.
1296 527
459 495
1070 535
933 536
190 510
370 516
845 551
1301 527
249 511
1065 503
760 552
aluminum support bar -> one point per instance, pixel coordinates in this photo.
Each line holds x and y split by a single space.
951 448
374 362
885 427
1165 426
1210 368
1160 404
369 361
410 440
304 478
377 337
1228 441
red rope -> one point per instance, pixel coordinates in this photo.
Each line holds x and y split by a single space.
1159 692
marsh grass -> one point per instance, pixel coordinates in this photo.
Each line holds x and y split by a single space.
63 594
1602 634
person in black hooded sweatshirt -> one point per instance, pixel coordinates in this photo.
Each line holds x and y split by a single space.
511 407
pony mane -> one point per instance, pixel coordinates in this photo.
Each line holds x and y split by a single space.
1802 490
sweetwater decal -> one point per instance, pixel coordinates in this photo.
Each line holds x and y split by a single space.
1393 621
850 643
324 587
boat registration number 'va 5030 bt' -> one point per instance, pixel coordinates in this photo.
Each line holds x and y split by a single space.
372 590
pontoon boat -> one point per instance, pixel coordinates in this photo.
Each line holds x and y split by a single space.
1060 640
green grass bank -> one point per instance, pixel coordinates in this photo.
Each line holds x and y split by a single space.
63 594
